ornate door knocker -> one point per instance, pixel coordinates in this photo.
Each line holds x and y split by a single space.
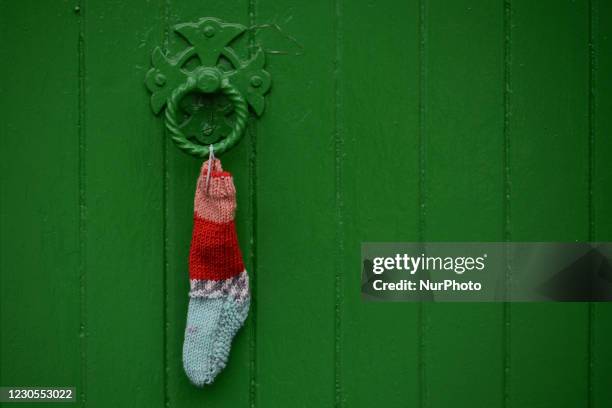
211 67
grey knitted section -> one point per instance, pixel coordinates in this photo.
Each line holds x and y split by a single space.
236 288
211 327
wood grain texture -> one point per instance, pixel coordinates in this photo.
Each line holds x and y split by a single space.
123 173
463 134
601 193
549 138
296 220
40 313
379 163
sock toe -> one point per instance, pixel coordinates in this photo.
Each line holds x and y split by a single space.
211 327
233 317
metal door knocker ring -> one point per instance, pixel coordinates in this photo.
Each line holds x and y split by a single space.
206 80
210 65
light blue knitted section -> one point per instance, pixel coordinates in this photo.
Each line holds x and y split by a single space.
211 327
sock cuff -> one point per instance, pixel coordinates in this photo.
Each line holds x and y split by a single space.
215 196
220 185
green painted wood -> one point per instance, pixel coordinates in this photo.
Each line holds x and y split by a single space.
463 117
549 136
123 183
601 193
296 217
400 121
232 386
40 315
378 130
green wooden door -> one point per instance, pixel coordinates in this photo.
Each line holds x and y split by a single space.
409 120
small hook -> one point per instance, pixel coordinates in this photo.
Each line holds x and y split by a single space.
211 157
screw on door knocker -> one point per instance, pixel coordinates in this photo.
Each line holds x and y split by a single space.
208 67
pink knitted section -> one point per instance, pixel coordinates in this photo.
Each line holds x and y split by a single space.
218 203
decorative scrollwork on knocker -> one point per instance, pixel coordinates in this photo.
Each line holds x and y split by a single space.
206 88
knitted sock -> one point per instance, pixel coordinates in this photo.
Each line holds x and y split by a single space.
219 295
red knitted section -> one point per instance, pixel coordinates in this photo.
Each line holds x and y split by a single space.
214 253
218 173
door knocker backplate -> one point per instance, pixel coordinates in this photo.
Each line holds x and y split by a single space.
207 87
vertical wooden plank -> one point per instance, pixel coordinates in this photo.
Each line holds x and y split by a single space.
379 85
601 129
549 136
464 124
231 387
124 224
296 220
39 195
